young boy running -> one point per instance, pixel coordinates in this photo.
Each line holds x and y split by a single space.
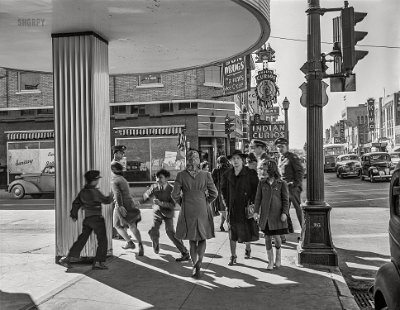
163 210
90 199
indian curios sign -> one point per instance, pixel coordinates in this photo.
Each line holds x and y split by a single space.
267 132
235 76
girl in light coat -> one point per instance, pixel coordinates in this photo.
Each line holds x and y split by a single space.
271 209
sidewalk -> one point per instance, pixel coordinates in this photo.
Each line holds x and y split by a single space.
33 281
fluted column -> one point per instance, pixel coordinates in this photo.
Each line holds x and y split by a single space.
82 129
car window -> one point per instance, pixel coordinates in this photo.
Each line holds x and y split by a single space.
49 170
345 158
354 157
379 157
394 155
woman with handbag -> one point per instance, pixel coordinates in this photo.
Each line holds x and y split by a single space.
271 209
239 186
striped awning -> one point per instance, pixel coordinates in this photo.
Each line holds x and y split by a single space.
29 135
149 131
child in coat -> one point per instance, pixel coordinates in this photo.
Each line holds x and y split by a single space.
90 199
271 209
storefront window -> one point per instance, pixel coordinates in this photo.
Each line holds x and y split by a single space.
145 156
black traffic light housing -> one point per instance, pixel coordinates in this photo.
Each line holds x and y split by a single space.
229 124
350 37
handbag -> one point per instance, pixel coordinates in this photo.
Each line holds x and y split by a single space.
250 211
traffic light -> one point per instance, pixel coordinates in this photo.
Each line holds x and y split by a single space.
350 37
229 123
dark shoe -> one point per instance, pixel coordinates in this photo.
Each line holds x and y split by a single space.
99 265
196 271
232 261
185 257
141 249
222 228
247 254
129 245
283 239
156 245
65 261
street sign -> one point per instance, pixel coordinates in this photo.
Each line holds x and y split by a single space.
303 98
272 111
324 95
267 131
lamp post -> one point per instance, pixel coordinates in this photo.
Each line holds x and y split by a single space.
285 105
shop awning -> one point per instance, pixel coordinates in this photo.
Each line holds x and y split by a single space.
149 131
29 135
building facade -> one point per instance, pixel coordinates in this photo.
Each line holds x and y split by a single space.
150 113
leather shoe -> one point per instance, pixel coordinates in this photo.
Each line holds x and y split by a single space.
185 257
129 245
99 265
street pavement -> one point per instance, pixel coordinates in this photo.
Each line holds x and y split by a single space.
30 279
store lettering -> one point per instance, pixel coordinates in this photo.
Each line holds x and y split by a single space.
233 68
24 162
268 135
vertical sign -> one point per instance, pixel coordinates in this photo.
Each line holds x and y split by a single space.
371 114
341 132
235 79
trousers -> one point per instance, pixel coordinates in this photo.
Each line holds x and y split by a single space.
92 223
154 231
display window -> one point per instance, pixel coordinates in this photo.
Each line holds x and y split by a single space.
145 156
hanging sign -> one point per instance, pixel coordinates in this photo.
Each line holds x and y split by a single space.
235 76
371 114
267 90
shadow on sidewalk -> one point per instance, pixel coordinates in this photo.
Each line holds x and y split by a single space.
12 301
359 267
165 284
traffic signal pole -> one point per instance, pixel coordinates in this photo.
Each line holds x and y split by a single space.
316 247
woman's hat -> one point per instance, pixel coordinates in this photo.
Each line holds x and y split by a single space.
237 152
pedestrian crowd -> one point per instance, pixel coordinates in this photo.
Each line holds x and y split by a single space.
250 192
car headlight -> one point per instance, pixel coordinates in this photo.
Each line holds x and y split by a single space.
374 170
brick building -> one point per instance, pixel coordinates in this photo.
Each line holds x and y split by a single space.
149 112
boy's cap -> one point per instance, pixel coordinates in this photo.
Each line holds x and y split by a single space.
118 148
92 175
281 141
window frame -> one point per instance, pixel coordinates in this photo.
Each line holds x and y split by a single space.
27 91
170 107
212 83
150 85
139 107
193 105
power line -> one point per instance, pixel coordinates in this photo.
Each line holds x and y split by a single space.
365 45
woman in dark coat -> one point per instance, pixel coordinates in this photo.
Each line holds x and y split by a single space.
223 166
194 190
239 186
271 209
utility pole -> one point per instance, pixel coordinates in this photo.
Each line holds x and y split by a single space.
316 247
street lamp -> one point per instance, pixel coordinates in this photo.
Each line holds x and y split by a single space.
285 105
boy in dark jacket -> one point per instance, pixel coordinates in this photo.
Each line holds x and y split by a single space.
163 210
90 199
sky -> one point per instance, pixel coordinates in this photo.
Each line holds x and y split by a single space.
377 74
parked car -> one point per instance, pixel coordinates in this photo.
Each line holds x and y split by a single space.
329 163
347 165
34 184
376 166
386 289
395 157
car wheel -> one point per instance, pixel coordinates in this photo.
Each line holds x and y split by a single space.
371 179
18 191
36 196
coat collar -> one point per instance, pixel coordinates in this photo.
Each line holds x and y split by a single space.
232 176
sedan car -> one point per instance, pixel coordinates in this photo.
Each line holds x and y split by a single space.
34 184
395 157
386 289
376 166
347 165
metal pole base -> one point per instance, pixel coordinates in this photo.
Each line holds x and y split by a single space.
316 247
